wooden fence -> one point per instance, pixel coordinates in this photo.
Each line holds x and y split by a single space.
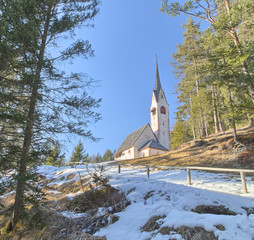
188 170
242 172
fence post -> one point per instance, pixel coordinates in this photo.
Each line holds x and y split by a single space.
148 171
119 168
243 182
188 177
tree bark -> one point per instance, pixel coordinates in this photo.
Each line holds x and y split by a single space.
193 127
215 113
251 120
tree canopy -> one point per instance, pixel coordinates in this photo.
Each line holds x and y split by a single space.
214 65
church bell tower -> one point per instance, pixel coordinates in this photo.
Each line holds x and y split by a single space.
160 113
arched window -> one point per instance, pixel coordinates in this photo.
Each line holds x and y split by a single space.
163 110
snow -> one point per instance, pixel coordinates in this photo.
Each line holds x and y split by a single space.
71 215
166 193
170 196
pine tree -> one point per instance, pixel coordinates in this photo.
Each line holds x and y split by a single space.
54 156
28 30
180 134
79 154
108 156
224 16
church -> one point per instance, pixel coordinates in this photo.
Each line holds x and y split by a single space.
151 139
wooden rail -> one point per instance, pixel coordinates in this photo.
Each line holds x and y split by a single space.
189 168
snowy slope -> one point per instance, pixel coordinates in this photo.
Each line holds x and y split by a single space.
166 193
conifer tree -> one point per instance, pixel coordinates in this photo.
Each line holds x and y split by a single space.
180 134
223 16
55 102
108 156
79 154
54 156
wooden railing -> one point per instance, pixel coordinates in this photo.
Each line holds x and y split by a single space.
189 168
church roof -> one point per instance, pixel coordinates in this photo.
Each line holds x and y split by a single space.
157 80
158 87
130 139
153 144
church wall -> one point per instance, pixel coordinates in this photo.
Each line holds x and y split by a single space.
163 119
154 151
154 116
127 154
150 152
144 152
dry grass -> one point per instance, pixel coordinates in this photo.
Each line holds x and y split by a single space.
218 150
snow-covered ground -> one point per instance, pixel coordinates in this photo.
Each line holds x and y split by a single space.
166 193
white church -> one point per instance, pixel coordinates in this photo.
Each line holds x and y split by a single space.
151 139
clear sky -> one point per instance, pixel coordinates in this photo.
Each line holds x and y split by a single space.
127 36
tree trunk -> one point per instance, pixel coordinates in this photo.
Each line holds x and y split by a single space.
206 127
233 117
192 123
215 113
202 124
18 208
251 120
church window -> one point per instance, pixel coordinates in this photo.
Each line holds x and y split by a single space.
153 110
163 110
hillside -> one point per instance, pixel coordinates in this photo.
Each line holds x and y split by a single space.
134 207
217 150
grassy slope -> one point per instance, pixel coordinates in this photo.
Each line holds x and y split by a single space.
218 150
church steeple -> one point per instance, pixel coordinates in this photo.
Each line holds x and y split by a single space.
157 80
160 113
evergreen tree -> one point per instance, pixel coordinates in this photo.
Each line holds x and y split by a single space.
224 16
54 101
180 134
221 64
98 158
54 156
108 156
79 154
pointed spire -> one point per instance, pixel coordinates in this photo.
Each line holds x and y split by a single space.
157 81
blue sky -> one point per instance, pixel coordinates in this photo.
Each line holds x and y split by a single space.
127 36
